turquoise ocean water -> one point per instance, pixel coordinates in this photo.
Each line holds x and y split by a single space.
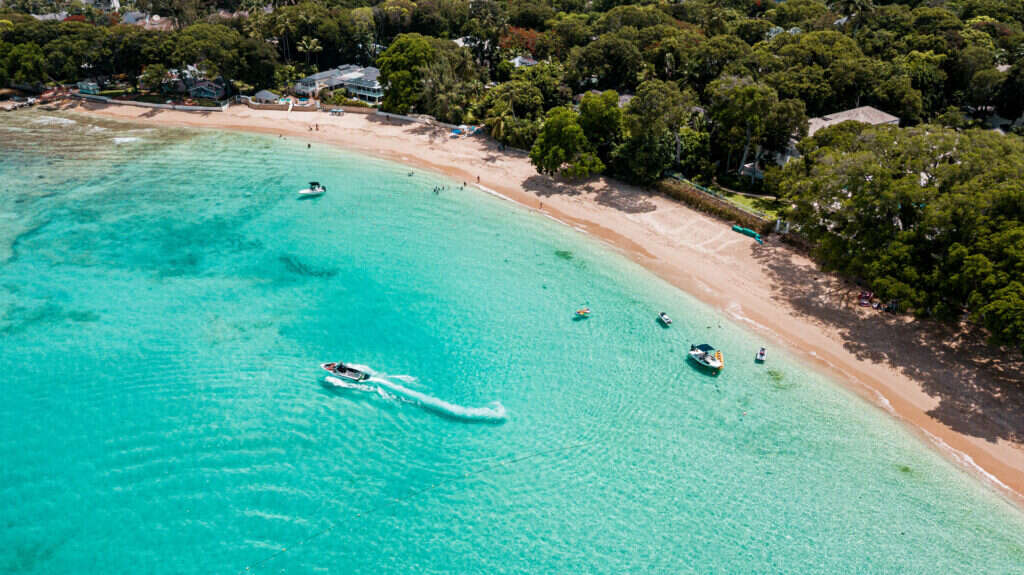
165 301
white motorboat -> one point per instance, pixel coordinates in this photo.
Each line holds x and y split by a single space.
707 356
664 319
345 372
314 189
762 354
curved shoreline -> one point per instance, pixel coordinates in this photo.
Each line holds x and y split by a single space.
777 292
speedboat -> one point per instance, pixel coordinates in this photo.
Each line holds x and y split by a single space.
314 189
345 372
762 355
707 356
664 319
583 312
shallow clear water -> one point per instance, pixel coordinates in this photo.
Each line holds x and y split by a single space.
165 301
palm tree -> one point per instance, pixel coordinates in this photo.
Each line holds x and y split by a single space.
309 46
284 27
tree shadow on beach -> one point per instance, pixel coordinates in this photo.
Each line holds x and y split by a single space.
980 387
622 197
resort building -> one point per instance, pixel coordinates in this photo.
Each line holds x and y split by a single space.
359 82
863 114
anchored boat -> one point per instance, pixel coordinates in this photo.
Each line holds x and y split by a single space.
345 372
664 319
707 356
762 355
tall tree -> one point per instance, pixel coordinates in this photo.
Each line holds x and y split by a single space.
309 46
562 148
601 120
740 110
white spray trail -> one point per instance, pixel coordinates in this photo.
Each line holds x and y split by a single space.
494 411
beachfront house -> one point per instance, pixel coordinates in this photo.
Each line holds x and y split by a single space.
359 82
88 87
863 114
193 81
265 97
209 89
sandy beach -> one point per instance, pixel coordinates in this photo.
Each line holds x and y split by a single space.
944 383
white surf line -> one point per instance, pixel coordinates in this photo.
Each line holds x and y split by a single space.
494 193
967 461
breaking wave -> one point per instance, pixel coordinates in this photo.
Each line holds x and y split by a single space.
53 120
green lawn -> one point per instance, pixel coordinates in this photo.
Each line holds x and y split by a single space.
767 206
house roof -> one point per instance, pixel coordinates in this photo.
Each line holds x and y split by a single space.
365 77
59 16
523 61
321 76
348 74
265 95
132 17
863 114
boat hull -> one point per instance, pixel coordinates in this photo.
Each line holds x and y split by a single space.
344 372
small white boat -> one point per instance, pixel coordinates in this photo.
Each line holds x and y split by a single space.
762 355
345 372
707 356
664 319
314 189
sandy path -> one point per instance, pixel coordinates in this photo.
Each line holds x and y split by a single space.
945 384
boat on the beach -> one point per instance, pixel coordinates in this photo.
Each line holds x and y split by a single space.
664 319
345 372
314 189
762 354
707 356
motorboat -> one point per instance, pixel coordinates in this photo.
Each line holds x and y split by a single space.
664 319
762 354
314 189
345 372
707 356
583 312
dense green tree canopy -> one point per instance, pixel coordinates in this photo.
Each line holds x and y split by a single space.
928 215
562 148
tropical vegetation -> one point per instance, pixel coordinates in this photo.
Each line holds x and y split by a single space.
928 213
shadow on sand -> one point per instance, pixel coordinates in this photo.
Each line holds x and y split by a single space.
980 388
619 196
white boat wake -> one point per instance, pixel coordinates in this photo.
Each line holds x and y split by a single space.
493 412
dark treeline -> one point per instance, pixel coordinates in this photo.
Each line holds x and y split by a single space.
704 87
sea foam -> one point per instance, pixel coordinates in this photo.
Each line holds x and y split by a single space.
493 412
